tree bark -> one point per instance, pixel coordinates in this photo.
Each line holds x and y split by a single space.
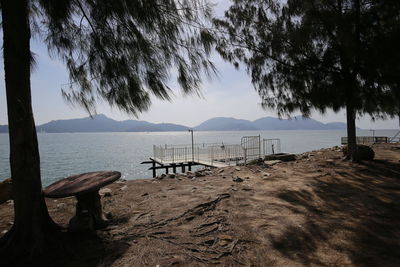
32 227
351 133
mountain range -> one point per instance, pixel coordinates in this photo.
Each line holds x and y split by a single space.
101 123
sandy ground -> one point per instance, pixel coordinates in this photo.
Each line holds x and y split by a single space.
318 210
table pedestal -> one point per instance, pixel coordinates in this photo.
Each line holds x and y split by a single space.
89 214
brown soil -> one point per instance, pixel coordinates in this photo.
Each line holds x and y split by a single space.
317 210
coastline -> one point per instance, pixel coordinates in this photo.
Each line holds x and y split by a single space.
316 210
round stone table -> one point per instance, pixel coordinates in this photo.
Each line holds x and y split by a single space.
85 187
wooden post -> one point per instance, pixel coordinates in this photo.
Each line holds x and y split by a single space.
166 170
183 168
154 170
190 166
174 168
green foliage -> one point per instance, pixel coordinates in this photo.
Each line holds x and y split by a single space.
316 54
124 51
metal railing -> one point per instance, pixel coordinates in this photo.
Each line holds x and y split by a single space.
251 148
271 146
367 140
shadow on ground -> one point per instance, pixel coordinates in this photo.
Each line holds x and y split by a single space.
364 204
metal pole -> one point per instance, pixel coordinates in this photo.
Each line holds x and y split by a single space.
191 131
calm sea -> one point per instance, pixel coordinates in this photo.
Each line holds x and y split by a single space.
70 153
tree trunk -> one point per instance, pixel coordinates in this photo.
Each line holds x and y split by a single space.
33 227
351 133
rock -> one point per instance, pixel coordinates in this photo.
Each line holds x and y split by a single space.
189 173
172 176
180 179
199 174
220 170
272 162
233 189
266 174
237 179
10 202
162 176
5 190
145 194
237 169
4 231
121 182
208 172
105 192
363 152
281 156
124 188
194 178
183 174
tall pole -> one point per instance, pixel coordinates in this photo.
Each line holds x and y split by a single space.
191 131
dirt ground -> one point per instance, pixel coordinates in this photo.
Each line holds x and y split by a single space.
316 211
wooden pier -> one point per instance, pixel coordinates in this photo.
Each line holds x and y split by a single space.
217 155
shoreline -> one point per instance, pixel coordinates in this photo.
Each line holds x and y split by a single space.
315 210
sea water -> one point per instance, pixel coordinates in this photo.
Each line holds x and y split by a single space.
64 154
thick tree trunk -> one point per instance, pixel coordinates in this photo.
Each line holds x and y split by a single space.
351 133
33 226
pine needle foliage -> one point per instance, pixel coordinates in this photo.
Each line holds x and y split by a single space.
124 51
317 54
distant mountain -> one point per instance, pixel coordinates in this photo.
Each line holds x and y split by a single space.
226 124
296 123
101 123
3 129
267 123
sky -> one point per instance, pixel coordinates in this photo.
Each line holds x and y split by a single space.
231 94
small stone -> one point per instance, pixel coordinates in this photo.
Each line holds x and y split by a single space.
180 179
145 194
266 174
4 231
105 192
10 202
124 188
190 173
194 179
233 189
237 169
237 179
172 176
221 171
223 177
120 182
183 174
10 223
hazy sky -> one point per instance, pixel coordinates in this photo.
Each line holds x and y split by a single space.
230 95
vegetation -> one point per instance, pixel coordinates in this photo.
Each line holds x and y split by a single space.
314 54
119 51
